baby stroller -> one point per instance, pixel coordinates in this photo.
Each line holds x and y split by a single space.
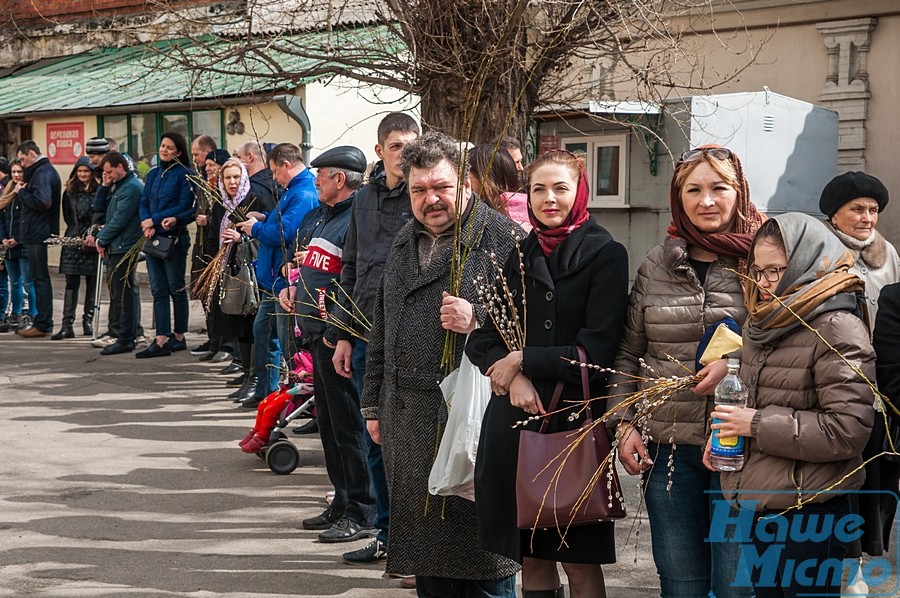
291 401
281 455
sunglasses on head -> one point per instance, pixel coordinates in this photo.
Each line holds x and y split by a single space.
719 153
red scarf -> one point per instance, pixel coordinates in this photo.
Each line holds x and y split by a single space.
551 238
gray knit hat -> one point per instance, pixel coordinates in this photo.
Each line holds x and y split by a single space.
96 145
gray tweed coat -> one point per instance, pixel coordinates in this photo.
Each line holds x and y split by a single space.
430 535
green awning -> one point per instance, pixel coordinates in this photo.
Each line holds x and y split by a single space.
156 73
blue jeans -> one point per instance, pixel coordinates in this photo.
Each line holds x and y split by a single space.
43 287
445 587
688 565
167 280
20 283
374 458
270 332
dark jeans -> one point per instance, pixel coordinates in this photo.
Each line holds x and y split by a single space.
688 565
43 288
342 430
768 579
167 280
271 329
374 458
123 291
445 587
4 289
114 325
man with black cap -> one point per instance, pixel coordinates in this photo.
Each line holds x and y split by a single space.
851 202
350 517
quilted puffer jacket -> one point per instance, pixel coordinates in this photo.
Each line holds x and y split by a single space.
814 414
668 312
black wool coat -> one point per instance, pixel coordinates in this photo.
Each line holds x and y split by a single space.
77 213
576 296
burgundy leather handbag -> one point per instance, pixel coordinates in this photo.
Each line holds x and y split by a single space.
559 479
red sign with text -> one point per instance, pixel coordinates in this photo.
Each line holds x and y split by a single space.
549 143
65 142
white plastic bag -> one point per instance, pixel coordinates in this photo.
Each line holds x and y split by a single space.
467 393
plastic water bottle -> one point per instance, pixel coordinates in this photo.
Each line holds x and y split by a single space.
727 454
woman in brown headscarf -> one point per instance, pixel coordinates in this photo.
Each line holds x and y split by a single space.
684 285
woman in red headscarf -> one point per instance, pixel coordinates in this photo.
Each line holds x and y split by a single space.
684 285
575 288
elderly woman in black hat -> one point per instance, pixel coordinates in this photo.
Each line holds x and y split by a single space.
852 202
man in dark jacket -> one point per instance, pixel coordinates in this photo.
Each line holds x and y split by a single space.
40 196
122 231
351 514
261 182
380 209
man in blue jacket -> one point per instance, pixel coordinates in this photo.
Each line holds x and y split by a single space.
122 231
40 195
275 231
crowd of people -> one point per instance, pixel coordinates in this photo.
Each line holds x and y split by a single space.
347 276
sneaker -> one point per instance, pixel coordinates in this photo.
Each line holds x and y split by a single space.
141 341
154 350
200 350
346 530
323 521
374 552
173 344
220 357
104 341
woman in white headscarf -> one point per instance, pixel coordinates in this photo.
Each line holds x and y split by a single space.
236 200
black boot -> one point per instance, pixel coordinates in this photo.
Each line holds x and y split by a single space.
241 393
87 324
70 302
5 324
248 390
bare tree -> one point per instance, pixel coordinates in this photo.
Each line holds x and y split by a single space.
480 67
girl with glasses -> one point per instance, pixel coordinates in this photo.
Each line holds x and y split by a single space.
809 413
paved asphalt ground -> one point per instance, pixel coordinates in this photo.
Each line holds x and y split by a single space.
122 477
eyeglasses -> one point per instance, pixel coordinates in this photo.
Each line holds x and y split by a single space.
770 274
719 153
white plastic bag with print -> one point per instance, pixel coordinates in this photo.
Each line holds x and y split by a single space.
467 393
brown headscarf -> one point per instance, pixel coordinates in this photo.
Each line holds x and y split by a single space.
816 281
734 244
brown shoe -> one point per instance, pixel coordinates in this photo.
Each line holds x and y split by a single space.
32 333
408 582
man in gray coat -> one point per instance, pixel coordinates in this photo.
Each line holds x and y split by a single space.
434 538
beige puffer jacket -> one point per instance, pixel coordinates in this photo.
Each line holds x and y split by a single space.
814 413
668 313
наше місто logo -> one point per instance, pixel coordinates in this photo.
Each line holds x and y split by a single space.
799 548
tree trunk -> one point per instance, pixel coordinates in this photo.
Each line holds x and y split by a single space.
497 111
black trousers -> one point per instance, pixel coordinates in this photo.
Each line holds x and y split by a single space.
341 428
123 291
